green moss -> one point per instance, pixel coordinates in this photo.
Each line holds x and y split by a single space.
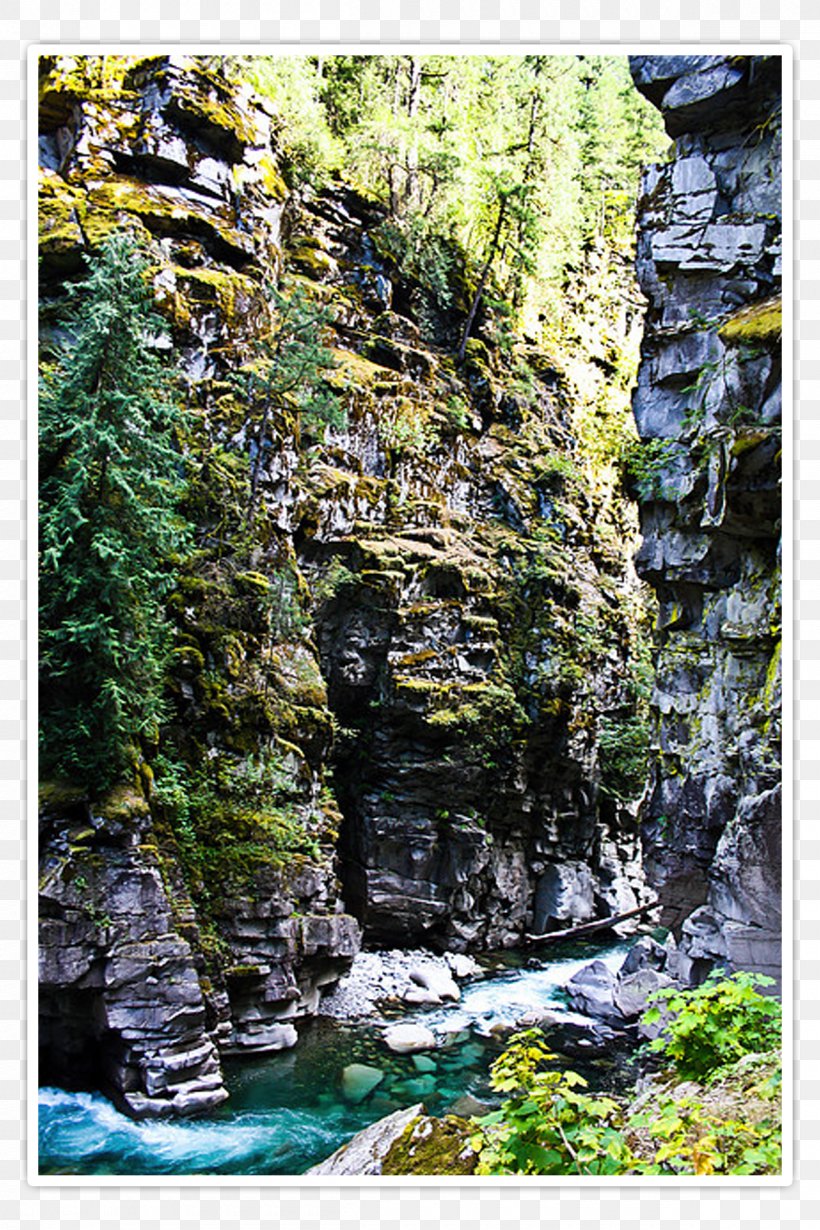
760 323
432 1146
124 802
59 208
161 211
208 104
271 180
354 371
231 293
314 260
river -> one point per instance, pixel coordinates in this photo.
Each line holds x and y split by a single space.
289 1110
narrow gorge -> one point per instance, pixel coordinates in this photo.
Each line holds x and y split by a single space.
452 658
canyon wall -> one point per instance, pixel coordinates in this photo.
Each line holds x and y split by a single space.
708 410
404 699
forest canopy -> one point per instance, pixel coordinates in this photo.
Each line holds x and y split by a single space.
522 161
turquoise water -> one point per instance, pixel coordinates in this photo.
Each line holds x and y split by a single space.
288 1110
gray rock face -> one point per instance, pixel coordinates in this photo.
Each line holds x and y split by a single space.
120 996
364 1154
708 404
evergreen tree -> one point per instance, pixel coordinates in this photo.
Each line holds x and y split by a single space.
286 376
109 485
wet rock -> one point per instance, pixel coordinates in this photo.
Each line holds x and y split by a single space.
462 966
405 1039
592 991
421 996
364 1154
358 1080
632 992
436 980
420 1087
645 953
468 1107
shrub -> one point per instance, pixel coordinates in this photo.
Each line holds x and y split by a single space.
713 1026
548 1125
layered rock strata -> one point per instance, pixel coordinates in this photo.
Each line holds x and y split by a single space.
164 946
708 410
388 699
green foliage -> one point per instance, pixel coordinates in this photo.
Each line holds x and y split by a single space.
404 428
645 463
335 580
623 747
293 84
110 482
287 376
712 1026
548 1124
688 1136
441 139
231 816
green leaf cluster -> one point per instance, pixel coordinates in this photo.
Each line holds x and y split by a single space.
548 1124
711 1027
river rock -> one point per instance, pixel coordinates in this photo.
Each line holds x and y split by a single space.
645 953
418 1087
468 1107
462 966
421 996
358 1080
592 991
424 1064
632 992
407 1038
364 1154
436 980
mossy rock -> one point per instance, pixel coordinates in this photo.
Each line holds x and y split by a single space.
270 178
124 802
313 262
354 371
208 108
231 293
162 211
432 1147
59 207
760 323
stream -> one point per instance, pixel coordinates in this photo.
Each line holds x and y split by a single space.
288 1110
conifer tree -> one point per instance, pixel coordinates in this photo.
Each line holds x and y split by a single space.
110 479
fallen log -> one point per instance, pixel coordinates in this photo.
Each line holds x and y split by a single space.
587 928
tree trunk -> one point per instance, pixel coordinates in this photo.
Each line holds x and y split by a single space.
587 928
485 273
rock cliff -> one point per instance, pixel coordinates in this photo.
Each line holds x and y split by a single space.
404 699
708 410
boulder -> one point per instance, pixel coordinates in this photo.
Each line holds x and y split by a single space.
436 980
592 991
645 953
407 1038
462 966
358 1080
632 992
364 1154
